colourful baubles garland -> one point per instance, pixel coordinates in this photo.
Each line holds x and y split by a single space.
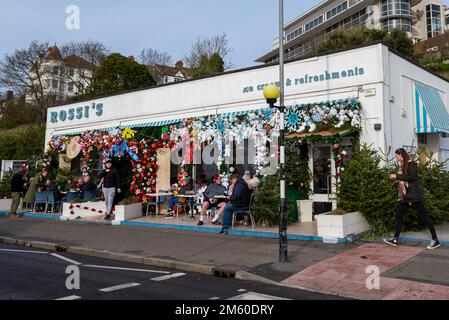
323 116
145 169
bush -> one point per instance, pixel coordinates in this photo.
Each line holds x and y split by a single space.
365 186
22 142
126 201
5 185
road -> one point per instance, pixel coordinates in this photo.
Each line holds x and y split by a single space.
28 274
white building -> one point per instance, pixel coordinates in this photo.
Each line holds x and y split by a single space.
62 77
167 74
421 19
403 105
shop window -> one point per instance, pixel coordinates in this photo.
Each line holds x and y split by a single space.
422 138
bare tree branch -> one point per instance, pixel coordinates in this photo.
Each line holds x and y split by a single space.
150 57
207 47
91 51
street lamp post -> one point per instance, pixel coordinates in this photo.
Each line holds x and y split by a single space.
271 94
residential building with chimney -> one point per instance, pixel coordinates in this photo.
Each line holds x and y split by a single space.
421 19
61 77
167 74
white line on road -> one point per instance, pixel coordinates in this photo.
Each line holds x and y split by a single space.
174 275
66 259
241 290
120 287
126 269
70 298
214 298
256 296
24 251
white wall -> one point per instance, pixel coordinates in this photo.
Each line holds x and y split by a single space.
226 93
399 83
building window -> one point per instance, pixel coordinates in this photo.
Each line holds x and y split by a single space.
314 23
54 84
294 34
70 87
433 20
55 70
71 72
166 79
401 23
47 84
395 7
337 10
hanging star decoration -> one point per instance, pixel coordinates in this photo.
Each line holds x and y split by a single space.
293 119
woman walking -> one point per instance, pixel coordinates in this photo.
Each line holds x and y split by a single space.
409 194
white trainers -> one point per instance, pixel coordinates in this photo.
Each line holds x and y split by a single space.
434 244
392 242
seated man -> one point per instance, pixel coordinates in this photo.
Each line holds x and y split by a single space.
88 186
239 201
213 190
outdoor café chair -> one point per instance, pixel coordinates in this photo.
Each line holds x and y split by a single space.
52 201
245 212
71 196
41 198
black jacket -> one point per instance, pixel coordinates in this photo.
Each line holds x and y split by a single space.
414 193
17 182
111 178
241 194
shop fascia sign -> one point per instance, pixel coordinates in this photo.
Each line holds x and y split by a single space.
312 78
77 113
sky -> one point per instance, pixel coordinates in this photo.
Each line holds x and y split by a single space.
167 25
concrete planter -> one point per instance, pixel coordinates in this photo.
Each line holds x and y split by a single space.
341 225
5 203
94 209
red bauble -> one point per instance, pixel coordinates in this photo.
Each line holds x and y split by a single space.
336 146
153 146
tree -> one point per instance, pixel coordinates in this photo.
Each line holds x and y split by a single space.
398 40
344 39
14 113
208 66
91 51
22 72
117 74
206 48
150 57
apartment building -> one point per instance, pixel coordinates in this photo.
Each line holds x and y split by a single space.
421 19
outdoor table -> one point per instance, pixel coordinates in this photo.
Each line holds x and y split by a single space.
157 195
189 197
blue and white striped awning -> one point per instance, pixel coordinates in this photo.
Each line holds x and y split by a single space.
431 114
152 124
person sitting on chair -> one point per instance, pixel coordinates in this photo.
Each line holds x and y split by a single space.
239 200
186 187
88 186
213 190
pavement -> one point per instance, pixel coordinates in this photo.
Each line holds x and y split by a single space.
407 272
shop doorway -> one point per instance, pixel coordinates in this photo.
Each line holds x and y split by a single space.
323 177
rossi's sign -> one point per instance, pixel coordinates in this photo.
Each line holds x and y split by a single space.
95 109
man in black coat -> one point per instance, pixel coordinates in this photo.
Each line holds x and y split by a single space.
17 184
111 183
238 201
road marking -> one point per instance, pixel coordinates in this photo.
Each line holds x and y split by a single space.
214 298
126 269
241 290
24 251
174 275
70 298
256 296
120 287
66 259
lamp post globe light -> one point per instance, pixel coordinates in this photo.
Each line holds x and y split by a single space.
271 94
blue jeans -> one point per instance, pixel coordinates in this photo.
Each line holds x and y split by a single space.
227 215
172 202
